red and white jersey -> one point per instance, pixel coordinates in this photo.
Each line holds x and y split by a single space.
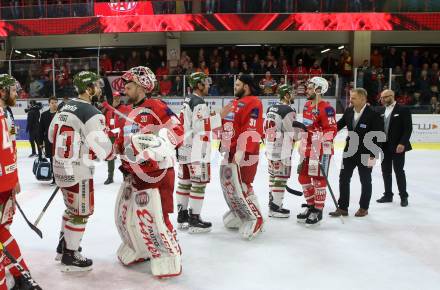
243 127
8 154
321 125
112 120
78 134
148 117
198 121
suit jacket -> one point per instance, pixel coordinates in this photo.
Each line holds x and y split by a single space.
45 119
369 121
400 128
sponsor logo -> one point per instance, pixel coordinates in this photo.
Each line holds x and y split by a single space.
10 168
62 118
147 232
141 198
118 84
71 108
123 6
425 126
127 193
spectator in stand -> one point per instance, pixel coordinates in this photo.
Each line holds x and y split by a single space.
416 100
147 59
177 88
35 87
203 68
261 68
105 63
408 84
329 64
215 57
255 63
268 85
165 86
184 60
305 57
376 58
134 59
434 91
434 73
346 64
190 69
404 60
210 6
404 100
425 58
391 60
315 70
300 71
119 65
217 78
244 68
275 70
415 60
434 105
162 70
424 86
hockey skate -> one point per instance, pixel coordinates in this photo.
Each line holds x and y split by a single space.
73 261
182 218
314 218
302 217
197 225
276 211
60 248
25 282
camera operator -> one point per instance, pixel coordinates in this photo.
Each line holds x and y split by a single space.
33 121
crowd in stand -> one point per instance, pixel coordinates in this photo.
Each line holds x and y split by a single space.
415 75
25 9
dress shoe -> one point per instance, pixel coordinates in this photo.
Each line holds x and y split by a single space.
361 212
385 199
338 212
108 181
404 202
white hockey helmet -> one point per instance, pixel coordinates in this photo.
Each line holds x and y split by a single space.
319 83
142 76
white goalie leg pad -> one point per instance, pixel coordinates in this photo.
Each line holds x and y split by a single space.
241 201
128 252
231 221
250 229
154 235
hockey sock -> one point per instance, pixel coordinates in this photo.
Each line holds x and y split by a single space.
196 197
11 245
278 188
74 231
320 193
64 219
309 193
182 192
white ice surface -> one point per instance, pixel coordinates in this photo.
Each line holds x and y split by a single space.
392 248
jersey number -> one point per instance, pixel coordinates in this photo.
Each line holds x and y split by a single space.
64 142
270 130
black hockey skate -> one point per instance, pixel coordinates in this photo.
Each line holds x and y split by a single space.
196 225
60 248
25 282
276 211
182 218
314 218
302 217
73 261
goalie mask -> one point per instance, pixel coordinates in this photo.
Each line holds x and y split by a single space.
316 86
142 76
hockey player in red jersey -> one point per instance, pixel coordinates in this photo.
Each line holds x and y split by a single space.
240 143
316 149
147 144
9 187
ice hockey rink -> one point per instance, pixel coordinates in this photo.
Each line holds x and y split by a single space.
391 248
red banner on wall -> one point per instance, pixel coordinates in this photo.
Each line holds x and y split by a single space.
122 8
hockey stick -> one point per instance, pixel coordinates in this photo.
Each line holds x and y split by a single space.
330 189
26 275
34 228
46 206
293 191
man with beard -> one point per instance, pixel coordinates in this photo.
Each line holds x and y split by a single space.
316 149
9 187
242 131
147 144
281 131
78 136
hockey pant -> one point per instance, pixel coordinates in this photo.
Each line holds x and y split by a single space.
79 201
192 184
279 173
7 210
244 211
313 181
141 216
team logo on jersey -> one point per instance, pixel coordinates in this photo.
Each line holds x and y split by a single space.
273 109
228 131
230 116
330 111
241 105
141 198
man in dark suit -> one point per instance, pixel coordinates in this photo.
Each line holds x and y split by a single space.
43 138
365 131
398 129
